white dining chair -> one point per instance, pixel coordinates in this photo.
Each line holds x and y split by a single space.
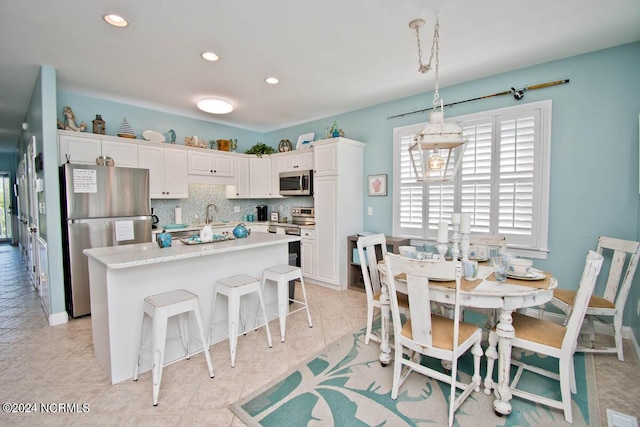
372 249
552 340
610 304
429 334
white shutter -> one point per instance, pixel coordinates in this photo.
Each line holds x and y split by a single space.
475 175
411 198
515 207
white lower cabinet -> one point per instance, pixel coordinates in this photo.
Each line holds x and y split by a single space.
308 253
167 171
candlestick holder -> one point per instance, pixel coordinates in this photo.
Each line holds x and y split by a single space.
442 250
464 246
455 240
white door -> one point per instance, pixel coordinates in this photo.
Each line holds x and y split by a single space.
33 212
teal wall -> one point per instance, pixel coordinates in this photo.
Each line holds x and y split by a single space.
40 119
594 154
594 159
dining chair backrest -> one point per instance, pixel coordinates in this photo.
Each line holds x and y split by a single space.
617 291
417 274
368 249
592 267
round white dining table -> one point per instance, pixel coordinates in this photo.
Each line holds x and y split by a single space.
505 297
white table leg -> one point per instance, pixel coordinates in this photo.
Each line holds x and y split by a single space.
505 332
385 314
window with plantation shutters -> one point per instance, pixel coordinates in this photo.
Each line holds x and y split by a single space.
503 181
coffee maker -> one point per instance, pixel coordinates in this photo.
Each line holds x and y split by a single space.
262 212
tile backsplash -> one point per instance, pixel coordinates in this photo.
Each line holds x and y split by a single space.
200 195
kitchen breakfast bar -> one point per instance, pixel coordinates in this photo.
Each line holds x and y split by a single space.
122 276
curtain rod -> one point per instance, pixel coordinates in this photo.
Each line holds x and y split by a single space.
518 94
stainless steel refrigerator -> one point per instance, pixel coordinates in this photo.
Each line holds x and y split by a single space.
101 206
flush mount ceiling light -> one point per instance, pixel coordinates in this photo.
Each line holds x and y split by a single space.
437 152
215 106
272 80
209 56
115 20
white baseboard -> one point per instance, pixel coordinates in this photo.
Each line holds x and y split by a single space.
59 318
627 333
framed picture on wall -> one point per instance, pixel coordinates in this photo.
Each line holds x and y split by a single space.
377 185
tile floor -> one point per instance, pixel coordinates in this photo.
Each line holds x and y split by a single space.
54 365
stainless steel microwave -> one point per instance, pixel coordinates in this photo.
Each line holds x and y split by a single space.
298 183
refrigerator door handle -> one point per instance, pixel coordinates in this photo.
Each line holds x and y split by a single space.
122 218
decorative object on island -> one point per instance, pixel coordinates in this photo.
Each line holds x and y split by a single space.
285 145
164 239
125 130
99 125
70 121
377 185
259 149
172 136
240 231
438 140
194 141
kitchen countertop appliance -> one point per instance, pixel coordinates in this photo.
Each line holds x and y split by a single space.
262 213
101 206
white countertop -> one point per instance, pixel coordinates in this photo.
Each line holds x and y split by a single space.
126 256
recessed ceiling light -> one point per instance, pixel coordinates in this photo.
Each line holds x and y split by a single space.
272 80
215 106
209 56
115 20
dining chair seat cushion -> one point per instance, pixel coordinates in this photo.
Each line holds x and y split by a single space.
442 332
403 299
538 330
567 296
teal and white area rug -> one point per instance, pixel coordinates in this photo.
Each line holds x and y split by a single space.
345 385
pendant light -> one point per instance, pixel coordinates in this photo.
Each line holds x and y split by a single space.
436 154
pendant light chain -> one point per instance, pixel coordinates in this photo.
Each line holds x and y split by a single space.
436 46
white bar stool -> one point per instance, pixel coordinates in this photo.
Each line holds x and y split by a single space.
233 288
158 309
282 274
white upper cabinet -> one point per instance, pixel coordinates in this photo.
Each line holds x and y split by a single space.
124 154
302 160
167 171
240 189
260 177
209 163
85 148
326 158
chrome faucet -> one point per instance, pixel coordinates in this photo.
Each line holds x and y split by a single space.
207 220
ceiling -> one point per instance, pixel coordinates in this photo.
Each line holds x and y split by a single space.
331 56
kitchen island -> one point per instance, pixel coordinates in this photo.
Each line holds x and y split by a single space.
122 276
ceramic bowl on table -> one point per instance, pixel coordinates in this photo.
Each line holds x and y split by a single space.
405 251
519 266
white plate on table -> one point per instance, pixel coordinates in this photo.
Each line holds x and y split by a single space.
533 275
